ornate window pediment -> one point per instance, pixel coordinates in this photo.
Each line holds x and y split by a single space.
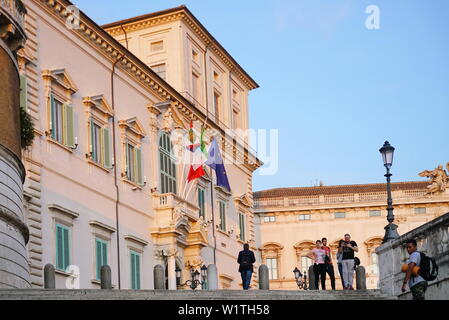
244 201
134 126
61 78
98 104
303 247
271 250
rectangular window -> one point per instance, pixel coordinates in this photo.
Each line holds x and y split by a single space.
223 215
100 145
101 256
272 265
304 217
62 124
134 170
340 215
374 213
306 262
420 210
201 202
96 145
135 270
62 247
269 219
242 226
157 46
160 69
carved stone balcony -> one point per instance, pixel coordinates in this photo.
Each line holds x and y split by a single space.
178 220
12 28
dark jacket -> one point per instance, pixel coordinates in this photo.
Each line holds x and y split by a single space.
250 255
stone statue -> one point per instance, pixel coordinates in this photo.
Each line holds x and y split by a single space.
439 179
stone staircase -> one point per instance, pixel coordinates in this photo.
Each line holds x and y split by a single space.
47 294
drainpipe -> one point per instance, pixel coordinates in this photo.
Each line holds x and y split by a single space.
115 168
212 181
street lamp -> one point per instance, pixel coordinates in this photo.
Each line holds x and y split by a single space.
194 281
391 232
301 281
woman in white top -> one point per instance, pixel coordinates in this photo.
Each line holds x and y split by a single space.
317 254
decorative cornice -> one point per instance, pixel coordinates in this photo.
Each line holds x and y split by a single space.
183 14
111 48
101 225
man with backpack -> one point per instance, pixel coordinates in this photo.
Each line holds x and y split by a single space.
245 260
416 283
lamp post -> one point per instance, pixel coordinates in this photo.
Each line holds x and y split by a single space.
194 281
301 281
391 232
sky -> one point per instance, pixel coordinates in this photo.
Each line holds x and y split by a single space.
333 89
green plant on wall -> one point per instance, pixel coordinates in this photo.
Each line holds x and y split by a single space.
26 129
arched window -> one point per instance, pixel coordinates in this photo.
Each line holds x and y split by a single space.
167 165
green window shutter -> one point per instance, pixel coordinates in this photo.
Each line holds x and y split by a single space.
59 248
139 171
53 118
127 166
23 92
107 149
68 126
137 271
66 248
105 253
92 138
133 268
98 258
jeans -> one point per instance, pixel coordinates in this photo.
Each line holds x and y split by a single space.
246 278
320 272
340 271
348 272
330 272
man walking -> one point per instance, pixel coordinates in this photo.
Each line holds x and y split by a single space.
329 263
245 260
417 284
349 247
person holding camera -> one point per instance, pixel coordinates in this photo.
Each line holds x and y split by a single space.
318 254
349 247
328 262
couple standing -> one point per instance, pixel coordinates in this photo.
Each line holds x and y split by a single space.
321 255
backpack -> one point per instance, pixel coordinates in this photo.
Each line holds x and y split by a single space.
246 259
429 268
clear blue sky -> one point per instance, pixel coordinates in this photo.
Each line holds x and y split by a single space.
334 89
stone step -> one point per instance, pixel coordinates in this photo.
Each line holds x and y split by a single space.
40 294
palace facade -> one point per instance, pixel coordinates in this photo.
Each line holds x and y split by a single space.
290 220
103 182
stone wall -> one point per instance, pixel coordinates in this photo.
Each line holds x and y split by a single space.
433 240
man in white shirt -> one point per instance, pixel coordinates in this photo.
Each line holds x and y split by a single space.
417 284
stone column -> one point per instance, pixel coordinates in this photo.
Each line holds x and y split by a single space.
264 279
14 269
360 278
171 265
212 277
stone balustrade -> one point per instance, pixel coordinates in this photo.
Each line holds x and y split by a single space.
433 240
319 200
